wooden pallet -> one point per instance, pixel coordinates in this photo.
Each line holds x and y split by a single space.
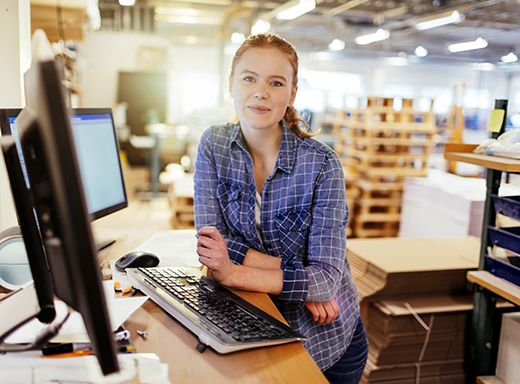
375 229
182 216
180 196
395 166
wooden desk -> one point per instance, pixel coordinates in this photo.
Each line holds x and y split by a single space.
175 345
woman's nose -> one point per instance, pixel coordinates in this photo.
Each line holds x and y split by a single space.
261 92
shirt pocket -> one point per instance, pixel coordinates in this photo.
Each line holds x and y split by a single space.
229 196
293 228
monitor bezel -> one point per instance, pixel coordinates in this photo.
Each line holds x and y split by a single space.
5 127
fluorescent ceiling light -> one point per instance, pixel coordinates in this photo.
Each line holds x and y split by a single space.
468 45
420 51
337 45
186 16
293 9
380 34
126 3
439 20
261 26
509 58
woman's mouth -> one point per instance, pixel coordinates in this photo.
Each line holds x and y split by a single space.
258 109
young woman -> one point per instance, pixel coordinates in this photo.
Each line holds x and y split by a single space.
271 213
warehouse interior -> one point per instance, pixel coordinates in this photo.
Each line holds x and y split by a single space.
419 100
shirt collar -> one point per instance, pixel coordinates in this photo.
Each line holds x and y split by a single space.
288 146
288 149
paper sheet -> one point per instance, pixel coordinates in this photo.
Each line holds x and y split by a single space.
29 368
73 330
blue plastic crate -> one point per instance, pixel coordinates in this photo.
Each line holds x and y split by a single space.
503 269
507 205
508 238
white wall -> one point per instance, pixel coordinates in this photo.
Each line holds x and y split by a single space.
15 43
104 54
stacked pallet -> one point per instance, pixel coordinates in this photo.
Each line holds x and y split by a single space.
180 196
380 146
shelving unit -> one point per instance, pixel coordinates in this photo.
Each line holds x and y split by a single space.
485 320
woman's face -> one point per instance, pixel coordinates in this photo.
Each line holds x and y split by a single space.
262 88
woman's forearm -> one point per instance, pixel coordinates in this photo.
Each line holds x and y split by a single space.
258 259
255 279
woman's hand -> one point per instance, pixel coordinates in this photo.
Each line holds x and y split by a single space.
213 253
323 312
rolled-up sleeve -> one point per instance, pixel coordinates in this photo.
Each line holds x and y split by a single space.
327 238
206 204
295 280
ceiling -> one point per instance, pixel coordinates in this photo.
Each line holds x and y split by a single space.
212 22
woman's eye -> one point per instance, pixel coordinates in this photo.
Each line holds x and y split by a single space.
249 79
278 84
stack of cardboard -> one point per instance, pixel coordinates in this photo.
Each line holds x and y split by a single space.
415 306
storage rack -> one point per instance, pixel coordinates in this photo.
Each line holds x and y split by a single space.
485 320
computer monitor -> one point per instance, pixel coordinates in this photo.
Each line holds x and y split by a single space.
57 193
30 231
98 154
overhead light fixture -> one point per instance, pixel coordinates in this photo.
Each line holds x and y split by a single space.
397 61
260 26
509 58
293 9
485 66
439 20
127 3
478 43
337 45
420 51
380 34
237 38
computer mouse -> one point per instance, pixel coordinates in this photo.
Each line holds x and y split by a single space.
137 259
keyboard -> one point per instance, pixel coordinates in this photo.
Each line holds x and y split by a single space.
219 318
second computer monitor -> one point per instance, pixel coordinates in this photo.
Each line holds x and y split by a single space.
98 154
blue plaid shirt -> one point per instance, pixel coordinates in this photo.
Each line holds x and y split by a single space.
303 219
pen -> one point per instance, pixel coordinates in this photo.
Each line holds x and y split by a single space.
60 348
126 349
70 354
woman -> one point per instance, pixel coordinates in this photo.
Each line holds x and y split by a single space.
271 212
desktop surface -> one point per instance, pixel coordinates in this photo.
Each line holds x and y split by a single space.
175 344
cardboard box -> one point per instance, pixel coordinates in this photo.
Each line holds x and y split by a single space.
508 367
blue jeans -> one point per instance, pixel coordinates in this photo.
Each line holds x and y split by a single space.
349 368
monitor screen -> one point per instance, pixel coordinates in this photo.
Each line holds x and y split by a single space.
57 194
98 154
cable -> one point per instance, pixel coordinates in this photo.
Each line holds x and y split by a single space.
50 331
